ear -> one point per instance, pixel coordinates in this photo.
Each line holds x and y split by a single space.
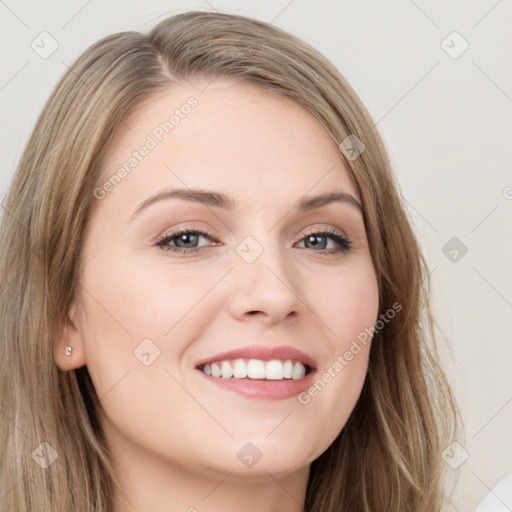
69 335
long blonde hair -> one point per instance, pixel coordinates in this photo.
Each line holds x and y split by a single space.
387 457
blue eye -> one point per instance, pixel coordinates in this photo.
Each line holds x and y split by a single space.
344 244
184 237
186 241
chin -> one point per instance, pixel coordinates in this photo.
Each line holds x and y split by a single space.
260 455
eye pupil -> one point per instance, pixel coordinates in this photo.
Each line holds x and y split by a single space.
185 237
314 240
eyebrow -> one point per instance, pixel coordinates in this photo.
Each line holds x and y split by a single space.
220 200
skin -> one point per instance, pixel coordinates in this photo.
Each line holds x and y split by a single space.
175 436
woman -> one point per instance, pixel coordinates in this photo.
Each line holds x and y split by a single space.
212 296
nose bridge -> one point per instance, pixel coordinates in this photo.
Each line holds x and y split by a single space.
263 280
260 250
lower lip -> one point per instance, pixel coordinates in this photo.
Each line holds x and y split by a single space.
263 389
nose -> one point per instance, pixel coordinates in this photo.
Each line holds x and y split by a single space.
266 288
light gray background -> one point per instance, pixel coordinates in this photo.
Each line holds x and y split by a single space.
446 121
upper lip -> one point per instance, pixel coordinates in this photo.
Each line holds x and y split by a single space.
264 353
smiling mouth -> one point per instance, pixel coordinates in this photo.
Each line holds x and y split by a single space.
256 369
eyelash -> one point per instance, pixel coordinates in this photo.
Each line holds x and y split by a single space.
343 242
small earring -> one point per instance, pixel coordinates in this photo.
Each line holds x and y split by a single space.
68 350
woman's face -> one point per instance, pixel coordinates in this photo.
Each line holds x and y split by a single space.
261 277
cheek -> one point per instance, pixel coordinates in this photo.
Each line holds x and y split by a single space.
133 309
346 299
137 298
346 302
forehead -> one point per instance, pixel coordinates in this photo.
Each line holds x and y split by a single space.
229 135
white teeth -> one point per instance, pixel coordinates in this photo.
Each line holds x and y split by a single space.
216 372
256 369
274 370
287 369
226 369
239 369
298 371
